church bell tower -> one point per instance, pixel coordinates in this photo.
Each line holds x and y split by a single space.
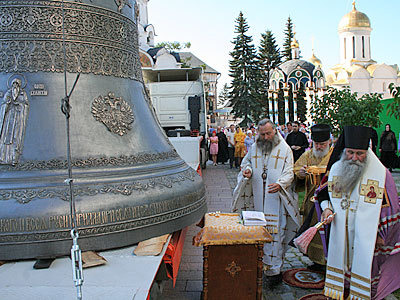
354 33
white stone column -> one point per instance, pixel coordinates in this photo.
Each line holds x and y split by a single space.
286 97
276 107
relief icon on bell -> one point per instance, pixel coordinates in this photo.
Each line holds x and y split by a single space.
14 109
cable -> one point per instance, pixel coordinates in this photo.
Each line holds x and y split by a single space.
76 256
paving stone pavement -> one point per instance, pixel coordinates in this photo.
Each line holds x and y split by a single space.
220 181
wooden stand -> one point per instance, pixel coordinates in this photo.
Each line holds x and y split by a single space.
232 257
232 272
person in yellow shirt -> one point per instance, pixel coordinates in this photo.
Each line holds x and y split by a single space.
240 149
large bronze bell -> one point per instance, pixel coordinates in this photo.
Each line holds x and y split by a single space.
129 183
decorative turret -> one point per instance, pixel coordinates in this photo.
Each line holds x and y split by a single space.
295 47
315 60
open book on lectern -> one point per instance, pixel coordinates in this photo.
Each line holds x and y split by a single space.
253 218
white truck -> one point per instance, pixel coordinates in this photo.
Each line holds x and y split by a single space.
178 99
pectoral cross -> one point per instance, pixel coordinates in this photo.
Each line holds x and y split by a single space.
256 157
277 157
264 176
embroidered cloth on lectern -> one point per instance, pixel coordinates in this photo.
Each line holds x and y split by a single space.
226 229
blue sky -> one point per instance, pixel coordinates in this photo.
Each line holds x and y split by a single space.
209 26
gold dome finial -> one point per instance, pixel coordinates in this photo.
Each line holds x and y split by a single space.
315 60
354 19
294 43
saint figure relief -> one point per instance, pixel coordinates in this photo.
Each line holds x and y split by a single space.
371 193
14 110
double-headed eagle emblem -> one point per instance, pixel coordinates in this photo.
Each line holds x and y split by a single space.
113 112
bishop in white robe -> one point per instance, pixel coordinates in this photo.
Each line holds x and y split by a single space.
265 184
364 242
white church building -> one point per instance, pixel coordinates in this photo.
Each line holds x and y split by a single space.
357 70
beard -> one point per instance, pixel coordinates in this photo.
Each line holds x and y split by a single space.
320 153
267 145
351 172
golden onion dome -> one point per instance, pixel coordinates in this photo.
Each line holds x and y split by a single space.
353 19
315 60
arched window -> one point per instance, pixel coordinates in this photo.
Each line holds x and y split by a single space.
363 45
354 47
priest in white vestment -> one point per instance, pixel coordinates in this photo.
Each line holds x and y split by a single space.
265 185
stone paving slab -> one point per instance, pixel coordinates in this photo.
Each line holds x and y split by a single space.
220 181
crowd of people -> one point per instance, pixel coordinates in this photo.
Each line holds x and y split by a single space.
232 143
344 184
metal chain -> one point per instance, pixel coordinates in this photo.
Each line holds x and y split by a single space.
76 256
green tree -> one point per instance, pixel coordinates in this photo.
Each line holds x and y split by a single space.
341 108
243 70
260 105
301 104
174 46
394 107
281 106
269 57
223 95
289 35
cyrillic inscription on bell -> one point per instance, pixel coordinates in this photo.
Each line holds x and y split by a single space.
129 184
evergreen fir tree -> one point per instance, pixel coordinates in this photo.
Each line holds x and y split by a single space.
223 95
243 70
287 51
269 57
301 104
259 109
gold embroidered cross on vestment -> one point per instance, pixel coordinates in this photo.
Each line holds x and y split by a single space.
256 157
277 157
371 191
332 189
